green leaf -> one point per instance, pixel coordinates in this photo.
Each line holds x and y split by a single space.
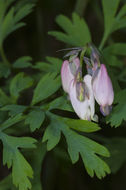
19 83
60 103
35 119
3 8
11 121
11 20
47 86
4 70
119 111
110 20
23 12
37 156
119 24
4 99
114 80
113 61
82 125
116 49
52 134
21 169
53 65
117 116
77 144
6 183
7 25
72 35
109 9
122 12
14 109
23 62
89 151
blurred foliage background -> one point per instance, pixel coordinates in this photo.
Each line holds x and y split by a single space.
58 173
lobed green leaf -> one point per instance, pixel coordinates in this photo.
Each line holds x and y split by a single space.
19 83
21 169
72 36
47 86
78 144
35 119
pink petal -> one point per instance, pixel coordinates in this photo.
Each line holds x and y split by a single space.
102 87
66 73
66 76
77 62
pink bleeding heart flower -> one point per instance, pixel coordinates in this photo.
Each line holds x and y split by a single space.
103 89
68 72
83 104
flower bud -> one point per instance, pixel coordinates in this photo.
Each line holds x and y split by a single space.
68 72
103 90
84 107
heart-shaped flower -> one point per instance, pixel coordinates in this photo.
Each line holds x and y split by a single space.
84 103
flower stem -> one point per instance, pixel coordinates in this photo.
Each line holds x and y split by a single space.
82 56
105 36
3 56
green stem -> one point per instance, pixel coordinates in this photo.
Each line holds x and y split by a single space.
82 56
81 6
105 36
5 61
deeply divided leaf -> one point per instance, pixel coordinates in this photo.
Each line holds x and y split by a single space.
19 83
119 111
47 86
35 119
53 65
78 145
21 169
76 31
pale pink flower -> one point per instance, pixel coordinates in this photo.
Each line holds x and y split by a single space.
68 72
84 109
103 90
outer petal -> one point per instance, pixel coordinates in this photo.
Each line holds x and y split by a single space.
81 108
102 87
91 101
66 73
85 109
66 76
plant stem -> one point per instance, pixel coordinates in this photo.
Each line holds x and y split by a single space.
81 6
5 61
105 37
102 43
82 56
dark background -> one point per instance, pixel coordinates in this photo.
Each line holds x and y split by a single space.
58 173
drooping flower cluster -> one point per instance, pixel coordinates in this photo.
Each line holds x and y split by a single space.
83 91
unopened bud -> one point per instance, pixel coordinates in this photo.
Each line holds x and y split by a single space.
103 90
